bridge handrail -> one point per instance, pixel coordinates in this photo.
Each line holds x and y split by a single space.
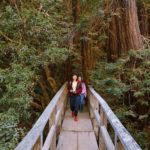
35 134
123 139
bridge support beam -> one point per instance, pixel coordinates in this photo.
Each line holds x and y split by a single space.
38 143
51 123
118 144
103 122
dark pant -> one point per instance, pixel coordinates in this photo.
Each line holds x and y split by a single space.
82 102
74 103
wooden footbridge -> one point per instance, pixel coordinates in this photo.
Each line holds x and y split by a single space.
56 129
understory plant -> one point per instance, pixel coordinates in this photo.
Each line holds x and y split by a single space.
125 85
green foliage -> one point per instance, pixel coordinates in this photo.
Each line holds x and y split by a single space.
104 79
32 35
140 136
10 133
125 84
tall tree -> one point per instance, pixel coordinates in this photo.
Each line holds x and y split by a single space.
124 29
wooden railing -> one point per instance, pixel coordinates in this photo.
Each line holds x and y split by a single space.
100 113
52 115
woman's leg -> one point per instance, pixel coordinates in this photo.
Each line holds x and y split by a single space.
82 104
72 103
77 103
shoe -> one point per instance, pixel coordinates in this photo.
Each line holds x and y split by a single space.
72 114
76 118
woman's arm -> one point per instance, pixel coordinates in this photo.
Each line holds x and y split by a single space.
70 87
79 89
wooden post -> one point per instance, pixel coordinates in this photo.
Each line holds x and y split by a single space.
64 106
118 144
41 140
64 100
103 118
53 144
90 109
101 142
95 107
95 123
88 97
52 122
52 118
103 122
37 145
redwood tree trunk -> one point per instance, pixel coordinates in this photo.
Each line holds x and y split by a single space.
124 29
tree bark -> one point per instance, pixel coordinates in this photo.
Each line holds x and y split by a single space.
124 33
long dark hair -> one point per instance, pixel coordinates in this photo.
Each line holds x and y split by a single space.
82 79
74 74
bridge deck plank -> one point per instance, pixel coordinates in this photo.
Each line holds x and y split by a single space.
77 135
